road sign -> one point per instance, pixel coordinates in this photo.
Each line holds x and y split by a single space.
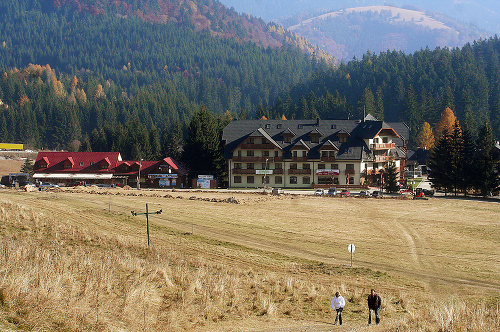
351 249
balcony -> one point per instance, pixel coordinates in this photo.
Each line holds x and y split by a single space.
257 146
383 146
299 159
381 159
258 159
349 172
278 171
328 159
299 171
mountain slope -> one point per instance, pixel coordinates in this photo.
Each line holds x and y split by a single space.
484 14
351 32
106 66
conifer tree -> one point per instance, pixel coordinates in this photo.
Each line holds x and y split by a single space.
439 162
202 148
486 168
391 177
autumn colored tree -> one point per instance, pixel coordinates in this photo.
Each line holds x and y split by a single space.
425 138
447 121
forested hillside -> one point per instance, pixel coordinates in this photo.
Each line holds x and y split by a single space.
414 88
71 68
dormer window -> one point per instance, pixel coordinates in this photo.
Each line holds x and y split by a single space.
299 126
334 126
268 126
81 163
279 126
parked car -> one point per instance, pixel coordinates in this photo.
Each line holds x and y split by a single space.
332 191
377 193
364 193
319 192
428 192
277 191
345 192
46 185
26 183
406 192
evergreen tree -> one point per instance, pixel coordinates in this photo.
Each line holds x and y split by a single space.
486 168
391 177
440 159
202 153
27 167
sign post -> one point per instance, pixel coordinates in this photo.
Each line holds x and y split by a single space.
351 249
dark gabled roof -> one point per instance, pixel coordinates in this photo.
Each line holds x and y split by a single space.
328 143
300 143
236 132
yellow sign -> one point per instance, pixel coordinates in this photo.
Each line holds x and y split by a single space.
11 146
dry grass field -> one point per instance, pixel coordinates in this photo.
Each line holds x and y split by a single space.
77 260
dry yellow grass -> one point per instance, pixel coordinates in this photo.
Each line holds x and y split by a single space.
79 261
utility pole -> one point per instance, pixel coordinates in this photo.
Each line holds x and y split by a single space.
147 217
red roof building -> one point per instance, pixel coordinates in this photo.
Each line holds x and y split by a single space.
106 168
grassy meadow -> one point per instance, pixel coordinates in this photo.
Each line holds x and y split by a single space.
78 260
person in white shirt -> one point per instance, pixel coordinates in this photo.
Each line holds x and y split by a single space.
338 304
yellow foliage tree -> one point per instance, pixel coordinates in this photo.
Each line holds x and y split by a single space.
425 138
447 122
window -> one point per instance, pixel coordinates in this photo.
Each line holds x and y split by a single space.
304 153
334 126
287 139
265 166
279 126
264 141
265 153
321 166
278 166
335 166
375 140
343 139
293 166
268 126
324 154
81 163
237 179
295 154
331 154
306 166
278 180
385 140
92 163
68 165
250 166
315 139
239 153
306 180
293 180
351 180
299 126
251 140
335 180
250 179
349 166
250 153
276 153
237 165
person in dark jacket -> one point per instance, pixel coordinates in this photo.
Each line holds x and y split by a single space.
374 303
